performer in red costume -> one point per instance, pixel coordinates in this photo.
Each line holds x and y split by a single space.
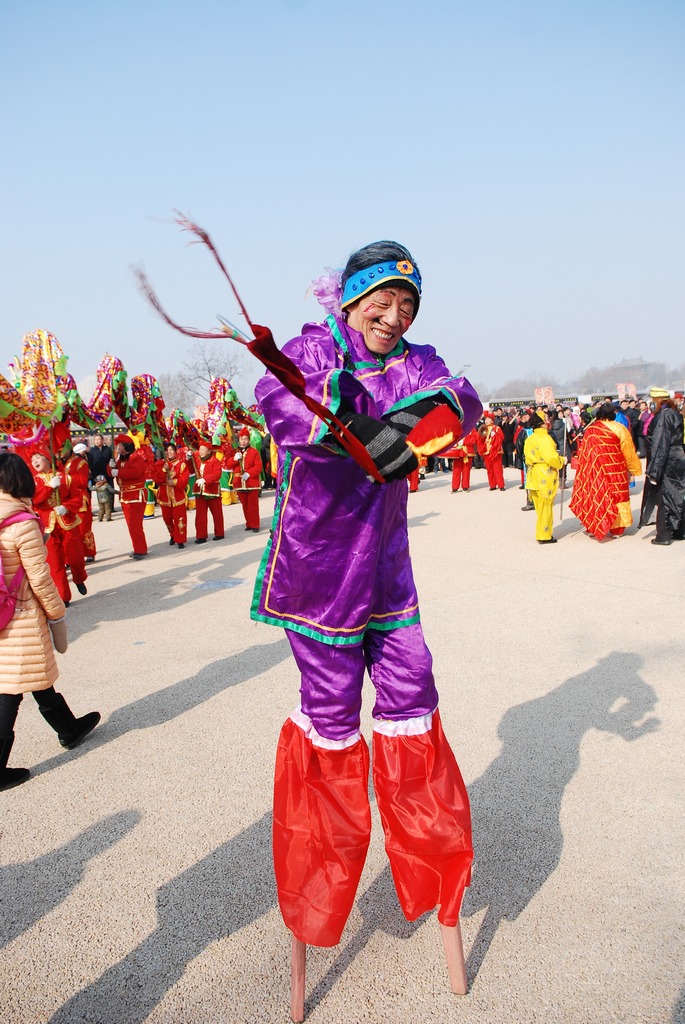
56 502
172 475
462 454
131 471
490 441
78 469
208 466
247 468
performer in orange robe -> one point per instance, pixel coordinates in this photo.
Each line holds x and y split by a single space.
56 502
172 475
606 461
246 463
78 469
208 465
490 441
462 454
131 471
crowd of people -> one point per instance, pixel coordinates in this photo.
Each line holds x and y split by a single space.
47 541
177 479
140 476
606 443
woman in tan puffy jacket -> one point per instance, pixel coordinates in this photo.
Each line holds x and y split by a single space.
27 659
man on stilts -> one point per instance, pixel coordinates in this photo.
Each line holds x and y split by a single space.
336 574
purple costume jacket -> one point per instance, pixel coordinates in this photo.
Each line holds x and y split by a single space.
338 560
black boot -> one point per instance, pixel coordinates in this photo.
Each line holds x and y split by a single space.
664 533
70 730
10 777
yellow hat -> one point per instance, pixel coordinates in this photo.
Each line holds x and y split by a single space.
659 393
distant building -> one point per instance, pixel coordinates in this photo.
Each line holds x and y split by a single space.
639 372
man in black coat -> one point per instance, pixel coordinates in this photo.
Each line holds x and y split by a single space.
98 457
666 471
508 427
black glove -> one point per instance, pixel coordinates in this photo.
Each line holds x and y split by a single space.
391 456
404 420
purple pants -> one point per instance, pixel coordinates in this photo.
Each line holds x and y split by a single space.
399 664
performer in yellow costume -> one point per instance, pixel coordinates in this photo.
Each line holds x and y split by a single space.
543 462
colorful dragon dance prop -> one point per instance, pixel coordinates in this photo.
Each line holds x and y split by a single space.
41 393
33 398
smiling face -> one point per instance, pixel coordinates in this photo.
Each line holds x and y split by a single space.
40 463
382 318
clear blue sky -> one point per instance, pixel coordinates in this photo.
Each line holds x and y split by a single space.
530 154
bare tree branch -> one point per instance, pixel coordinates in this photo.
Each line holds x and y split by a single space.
208 360
175 393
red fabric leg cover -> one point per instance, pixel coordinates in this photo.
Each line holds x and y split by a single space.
493 465
89 547
74 555
86 529
321 831
168 517
134 512
426 818
498 471
250 501
56 563
217 510
201 506
180 524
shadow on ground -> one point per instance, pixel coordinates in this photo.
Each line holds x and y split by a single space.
421 520
172 586
516 803
32 889
164 705
224 892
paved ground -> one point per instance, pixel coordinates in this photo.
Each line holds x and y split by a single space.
135 872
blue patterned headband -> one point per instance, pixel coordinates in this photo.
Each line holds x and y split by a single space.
377 275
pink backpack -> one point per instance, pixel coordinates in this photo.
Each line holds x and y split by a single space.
8 594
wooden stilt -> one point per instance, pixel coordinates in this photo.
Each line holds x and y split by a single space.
298 963
454 954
